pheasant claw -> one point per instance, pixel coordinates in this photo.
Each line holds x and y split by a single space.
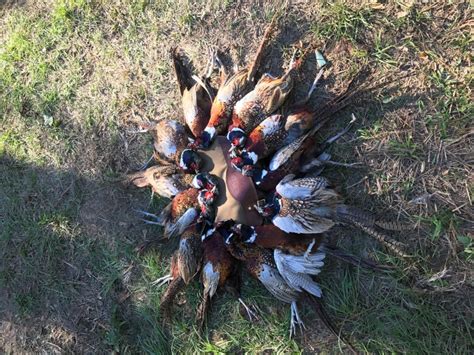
146 165
341 133
308 250
250 314
162 280
295 320
154 218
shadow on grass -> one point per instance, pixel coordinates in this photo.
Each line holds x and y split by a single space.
66 263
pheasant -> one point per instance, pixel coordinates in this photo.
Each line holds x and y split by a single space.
170 145
296 256
295 267
261 264
196 94
309 205
206 200
271 237
306 149
231 90
276 131
175 285
301 117
301 155
218 266
166 181
263 100
178 215
191 206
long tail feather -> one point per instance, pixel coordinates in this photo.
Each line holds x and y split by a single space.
168 297
353 259
318 307
201 314
395 246
183 74
261 48
369 220
394 225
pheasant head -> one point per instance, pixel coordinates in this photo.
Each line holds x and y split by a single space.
190 161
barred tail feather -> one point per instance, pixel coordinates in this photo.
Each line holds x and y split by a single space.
201 313
344 211
393 225
349 213
392 244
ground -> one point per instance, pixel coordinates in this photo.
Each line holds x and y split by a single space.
75 75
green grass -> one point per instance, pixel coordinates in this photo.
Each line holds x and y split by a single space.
74 74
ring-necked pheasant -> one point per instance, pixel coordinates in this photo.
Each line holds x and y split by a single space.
178 215
207 182
191 206
231 90
286 287
196 93
276 131
310 205
267 96
271 237
217 266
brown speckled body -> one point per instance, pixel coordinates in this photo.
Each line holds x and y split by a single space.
195 99
320 209
231 91
253 256
260 263
298 122
189 254
263 100
170 140
166 181
196 107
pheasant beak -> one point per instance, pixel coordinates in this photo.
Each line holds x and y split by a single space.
227 241
237 228
144 127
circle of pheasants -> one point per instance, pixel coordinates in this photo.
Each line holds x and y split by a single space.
272 174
